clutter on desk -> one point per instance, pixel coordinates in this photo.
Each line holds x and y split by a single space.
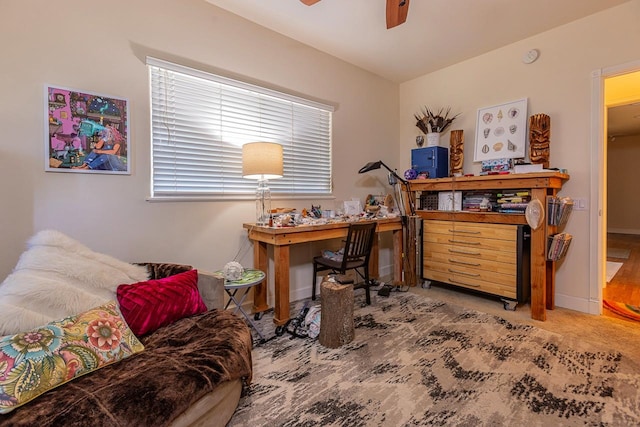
376 207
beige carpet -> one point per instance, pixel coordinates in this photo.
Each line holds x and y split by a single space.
420 358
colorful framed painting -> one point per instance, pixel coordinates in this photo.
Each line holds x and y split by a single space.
86 132
501 131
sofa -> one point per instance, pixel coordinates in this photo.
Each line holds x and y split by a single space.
188 371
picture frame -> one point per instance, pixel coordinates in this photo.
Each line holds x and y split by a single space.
501 131
87 132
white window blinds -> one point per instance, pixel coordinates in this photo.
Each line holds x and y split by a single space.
200 122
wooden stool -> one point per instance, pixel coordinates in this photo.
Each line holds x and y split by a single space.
336 315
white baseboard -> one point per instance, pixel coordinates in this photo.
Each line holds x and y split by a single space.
579 304
623 230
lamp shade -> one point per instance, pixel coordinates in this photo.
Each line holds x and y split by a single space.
262 160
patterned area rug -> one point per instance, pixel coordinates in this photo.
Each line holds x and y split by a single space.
626 310
417 361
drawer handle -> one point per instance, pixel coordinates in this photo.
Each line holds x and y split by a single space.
463 242
472 264
465 231
451 279
457 251
464 273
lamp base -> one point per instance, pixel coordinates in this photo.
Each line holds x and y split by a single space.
263 204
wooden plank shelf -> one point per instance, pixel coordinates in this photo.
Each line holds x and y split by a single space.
541 185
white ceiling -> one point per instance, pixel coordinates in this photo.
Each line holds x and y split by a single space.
437 33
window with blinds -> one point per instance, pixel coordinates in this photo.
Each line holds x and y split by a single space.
200 122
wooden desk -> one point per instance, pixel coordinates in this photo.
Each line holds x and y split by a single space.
541 184
282 238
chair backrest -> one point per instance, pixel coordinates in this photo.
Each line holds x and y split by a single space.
359 243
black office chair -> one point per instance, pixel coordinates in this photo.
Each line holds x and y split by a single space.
355 256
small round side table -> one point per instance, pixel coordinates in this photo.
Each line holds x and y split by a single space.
250 278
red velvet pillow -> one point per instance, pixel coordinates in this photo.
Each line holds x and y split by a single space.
146 306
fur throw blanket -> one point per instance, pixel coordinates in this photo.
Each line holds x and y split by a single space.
181 363
58 277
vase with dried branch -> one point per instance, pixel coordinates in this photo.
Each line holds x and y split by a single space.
433 123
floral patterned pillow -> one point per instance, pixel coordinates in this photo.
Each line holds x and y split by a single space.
43 358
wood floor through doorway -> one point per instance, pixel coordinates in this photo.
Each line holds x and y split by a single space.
625 285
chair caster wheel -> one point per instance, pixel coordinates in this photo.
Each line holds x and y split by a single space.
258 316
280 330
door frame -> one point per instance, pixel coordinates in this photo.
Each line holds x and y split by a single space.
598 202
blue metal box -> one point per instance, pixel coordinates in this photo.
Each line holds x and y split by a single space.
433 161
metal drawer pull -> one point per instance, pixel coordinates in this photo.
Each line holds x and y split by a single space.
463 242
451 279
464 273
465 231
456 251
472 264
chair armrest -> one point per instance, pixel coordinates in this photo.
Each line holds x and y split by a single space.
211 287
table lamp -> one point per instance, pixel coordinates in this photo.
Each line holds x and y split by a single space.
262 161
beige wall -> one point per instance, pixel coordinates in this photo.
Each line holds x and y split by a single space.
558 84
100 47
623 204
96 46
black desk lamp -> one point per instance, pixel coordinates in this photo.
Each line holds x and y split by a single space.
393 180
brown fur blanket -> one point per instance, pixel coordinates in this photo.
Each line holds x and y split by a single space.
181 363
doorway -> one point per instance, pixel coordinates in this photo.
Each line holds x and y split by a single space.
621 224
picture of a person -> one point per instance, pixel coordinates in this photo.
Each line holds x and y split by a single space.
105 154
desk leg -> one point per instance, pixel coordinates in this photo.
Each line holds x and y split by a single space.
397 256
281 273
374 259
260 262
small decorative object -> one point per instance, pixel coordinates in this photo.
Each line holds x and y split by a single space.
233 271
419 140
534 214
501 131
539 139
456 152
434 123
410 174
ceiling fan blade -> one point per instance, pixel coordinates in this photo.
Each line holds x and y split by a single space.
396 12
309 2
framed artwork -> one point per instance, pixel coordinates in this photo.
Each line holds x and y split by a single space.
87 132
501 131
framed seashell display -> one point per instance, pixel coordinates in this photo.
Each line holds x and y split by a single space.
501 131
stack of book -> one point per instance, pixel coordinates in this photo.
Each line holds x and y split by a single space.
478 201
558 210
514 201
558 245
